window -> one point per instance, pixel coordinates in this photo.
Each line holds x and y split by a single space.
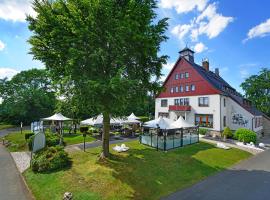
171 89
181 88
181 102
204 120
176 76
163 114
186 74
203 101
224 102
176 89
182 75
187 88
224 121
164 102
192 87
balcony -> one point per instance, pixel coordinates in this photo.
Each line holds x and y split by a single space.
179 108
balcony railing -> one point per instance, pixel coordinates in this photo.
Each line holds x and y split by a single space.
179 108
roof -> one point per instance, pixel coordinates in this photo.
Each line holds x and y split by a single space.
186 49
57 117
224 87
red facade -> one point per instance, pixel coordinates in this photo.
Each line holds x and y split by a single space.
202 87
179 108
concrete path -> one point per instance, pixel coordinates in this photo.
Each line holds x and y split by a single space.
12 186
248 180
4 132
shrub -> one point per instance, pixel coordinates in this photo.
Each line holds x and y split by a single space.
84 129
144 118
28 135
227 133
51 140
49 159
203 131
245 135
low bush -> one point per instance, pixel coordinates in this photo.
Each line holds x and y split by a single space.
84 129
203 131
227 133
51 140
49 159
144 118
245 135
28 135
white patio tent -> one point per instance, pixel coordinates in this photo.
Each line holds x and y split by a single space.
99 121
181 123
132 116
60 118
161 122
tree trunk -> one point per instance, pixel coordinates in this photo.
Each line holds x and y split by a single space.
105 136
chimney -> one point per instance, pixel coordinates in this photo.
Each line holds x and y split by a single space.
205 64
217 71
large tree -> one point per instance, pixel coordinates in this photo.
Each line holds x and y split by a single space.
257 90
104 52
27 97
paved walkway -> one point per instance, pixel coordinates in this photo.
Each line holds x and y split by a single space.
248 180
4 132
12 186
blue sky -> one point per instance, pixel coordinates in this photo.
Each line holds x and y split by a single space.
233 35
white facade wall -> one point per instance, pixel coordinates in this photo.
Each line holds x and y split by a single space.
213 109
216 108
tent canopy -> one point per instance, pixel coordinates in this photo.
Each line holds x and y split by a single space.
181 123
98 120
57 117
161 122
131 121
132 116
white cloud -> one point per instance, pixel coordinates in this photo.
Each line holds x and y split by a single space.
200 47
260 30
183 6
168 66
2 45
7 72
244 73
181 30
15 10
209 23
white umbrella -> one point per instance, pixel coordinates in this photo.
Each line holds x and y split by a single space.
132 116
181 123
161 122
98 120
89 121
131 121
57 117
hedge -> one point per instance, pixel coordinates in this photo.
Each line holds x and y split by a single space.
245 135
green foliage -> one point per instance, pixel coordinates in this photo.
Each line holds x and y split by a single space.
227 133
27 97
144 118
49 159
245 135
28 135
106 53
51 140
84 129
257 90
203 131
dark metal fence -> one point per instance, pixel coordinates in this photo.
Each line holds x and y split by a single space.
170 139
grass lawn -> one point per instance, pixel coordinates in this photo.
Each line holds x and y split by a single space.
140 173
18 142
5 126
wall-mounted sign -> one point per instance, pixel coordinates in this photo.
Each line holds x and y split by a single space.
239 119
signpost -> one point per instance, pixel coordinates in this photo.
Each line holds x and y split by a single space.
21 127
